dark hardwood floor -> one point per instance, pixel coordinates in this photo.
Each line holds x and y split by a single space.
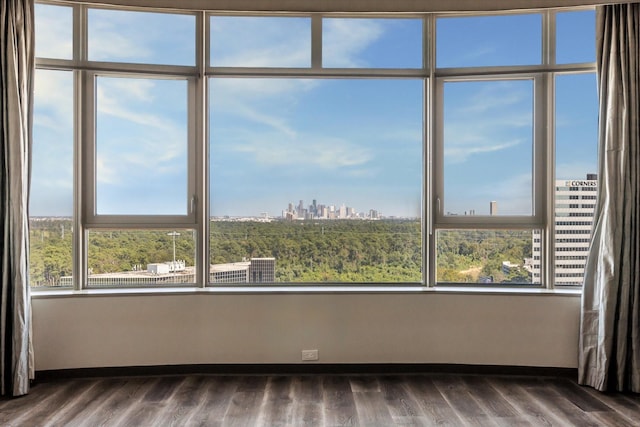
319 400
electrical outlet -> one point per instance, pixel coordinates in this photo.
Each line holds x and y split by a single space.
309 355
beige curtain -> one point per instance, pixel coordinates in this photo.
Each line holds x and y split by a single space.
609 357
16 86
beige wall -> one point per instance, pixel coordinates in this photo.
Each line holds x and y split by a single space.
206 328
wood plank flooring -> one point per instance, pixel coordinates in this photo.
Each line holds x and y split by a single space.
319 400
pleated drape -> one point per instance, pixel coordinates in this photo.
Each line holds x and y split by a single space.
609 347
17 62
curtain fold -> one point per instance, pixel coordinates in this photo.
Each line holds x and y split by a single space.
609 347
17 62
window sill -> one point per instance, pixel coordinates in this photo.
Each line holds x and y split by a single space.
304 290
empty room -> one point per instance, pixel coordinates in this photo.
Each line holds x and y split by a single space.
320 212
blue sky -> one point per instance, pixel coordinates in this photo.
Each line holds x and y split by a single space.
277 141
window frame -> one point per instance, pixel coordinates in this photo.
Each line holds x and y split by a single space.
536 219
86 72
543 179
318 71
93 219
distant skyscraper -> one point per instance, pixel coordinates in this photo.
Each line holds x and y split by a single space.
342 212
493 208
574 208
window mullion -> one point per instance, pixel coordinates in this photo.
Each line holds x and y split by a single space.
544 172
549 235
199 148
548 38
316 41
79 34
83 140
430 142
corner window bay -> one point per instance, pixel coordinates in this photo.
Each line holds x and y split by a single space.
311 148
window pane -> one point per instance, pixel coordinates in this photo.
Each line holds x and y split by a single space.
488 147
576 37
141 257
54 34
322 175
51 196
371 43
481 41
260 41
576 173
141 146
484 256
141 37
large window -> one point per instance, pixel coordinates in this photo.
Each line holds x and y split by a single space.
503 84
204 149
331 167
488 147
141 146
52 180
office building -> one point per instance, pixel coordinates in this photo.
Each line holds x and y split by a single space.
256 270
574 207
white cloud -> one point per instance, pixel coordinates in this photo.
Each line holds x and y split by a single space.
52 157
495 117
345 39
141 37
253 99
471 56
232 91
152 159
123 98
496 95
107 172
138 90
337 154
54 100
306 151
54 38
461 152
275 122
149 140
117 35
107 45
260 41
